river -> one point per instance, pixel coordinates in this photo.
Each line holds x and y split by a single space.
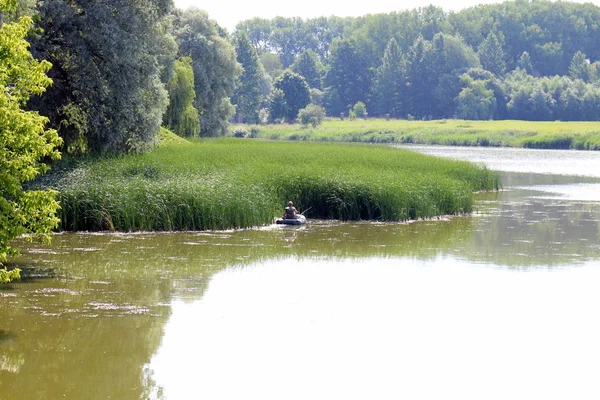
495 305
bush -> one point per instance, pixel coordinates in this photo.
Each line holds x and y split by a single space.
359 110
240 133
312 114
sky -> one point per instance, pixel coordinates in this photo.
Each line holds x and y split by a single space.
228 13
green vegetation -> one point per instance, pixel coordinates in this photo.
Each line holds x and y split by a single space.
8 276
232 183
544 135
24 140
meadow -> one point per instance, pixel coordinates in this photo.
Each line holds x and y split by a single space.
230 183
529 134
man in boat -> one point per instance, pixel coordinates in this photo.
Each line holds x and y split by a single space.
290 211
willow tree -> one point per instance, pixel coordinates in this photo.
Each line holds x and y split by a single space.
181 116
111 60
24 140
215 68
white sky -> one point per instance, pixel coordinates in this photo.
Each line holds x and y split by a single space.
229 12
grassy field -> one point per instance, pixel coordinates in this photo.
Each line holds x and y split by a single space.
531 134
236 183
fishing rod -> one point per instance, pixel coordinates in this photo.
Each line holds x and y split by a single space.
302 213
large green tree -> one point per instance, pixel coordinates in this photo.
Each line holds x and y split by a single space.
310 67
296 93
252 87
215 68
475 101
389 86
348 78
111 61
491 55
580 67
181 116
24 140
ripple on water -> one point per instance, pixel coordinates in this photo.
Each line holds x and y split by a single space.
121 309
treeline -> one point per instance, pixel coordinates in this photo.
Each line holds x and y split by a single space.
122 69
532 60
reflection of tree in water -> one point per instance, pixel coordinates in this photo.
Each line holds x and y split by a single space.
530 232
88 325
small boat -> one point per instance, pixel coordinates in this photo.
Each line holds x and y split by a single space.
299 220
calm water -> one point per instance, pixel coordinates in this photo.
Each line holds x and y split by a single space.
501 304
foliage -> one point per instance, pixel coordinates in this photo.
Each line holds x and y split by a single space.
524 63
7 276
233 183
310 67
475 101
434 49
348 76
271 64
491 55
312 115
389 87
110 70
277 105
296 93
181 115
580 67
359 110
215 68
25 143
252 87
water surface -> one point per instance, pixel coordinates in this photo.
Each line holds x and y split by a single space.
500 304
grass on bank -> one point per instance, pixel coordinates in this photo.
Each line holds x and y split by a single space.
529 134
235 183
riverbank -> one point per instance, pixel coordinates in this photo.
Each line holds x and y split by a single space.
527 134
232 183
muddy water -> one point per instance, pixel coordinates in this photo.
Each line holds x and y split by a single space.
500 304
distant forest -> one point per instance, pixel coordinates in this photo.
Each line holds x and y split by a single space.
123 68
531 60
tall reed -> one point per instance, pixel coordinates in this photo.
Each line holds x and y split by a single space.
237 183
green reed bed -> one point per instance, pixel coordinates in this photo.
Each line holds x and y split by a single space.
532 134
236 183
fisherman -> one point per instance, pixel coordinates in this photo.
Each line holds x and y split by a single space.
290 211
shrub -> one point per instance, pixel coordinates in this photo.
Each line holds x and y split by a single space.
359 110
312 115
240 133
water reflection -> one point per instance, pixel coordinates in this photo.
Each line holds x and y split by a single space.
326 310
388 329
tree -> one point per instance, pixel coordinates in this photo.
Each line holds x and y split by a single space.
277 105
475 101
348 76
312 115
580 67
109 62
24 140
296 93
310 67
491 55
215 68
421 78
181 116
524 63
252 86
389 86
359 110
259 31
272 64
